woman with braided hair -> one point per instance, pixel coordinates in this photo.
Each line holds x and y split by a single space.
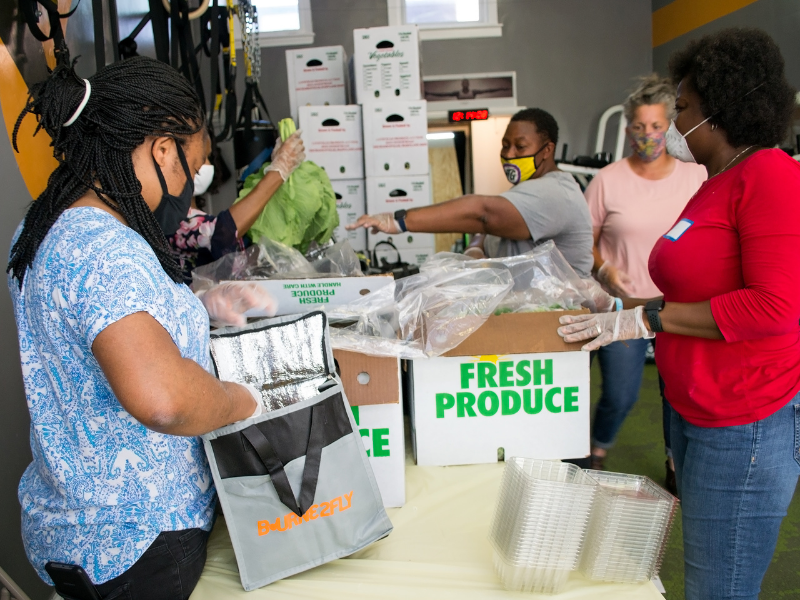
113 345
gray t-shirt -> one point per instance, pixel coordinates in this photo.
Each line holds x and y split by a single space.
554 208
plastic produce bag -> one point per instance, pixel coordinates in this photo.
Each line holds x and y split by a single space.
543 279
302 210
339 260
264 260
270 259
420 316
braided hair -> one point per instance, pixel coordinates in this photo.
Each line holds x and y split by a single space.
129 101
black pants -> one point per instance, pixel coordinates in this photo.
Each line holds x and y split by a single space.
169 569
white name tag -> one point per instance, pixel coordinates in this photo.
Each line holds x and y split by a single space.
679 229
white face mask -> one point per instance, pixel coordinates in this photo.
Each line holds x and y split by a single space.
203 179
676 143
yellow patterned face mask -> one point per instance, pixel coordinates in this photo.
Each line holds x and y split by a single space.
521 168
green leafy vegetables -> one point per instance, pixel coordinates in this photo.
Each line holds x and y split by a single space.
302 210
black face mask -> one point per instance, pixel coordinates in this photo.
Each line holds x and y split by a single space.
173 209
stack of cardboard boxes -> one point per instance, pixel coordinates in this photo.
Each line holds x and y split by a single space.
332 129
388 86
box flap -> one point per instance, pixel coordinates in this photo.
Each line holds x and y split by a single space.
517 333
368 379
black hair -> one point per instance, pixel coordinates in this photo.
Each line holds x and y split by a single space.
739 75
129 101
543 120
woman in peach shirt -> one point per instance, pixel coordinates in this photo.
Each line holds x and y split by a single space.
633 202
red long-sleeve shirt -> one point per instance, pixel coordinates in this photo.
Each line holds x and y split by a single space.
737 244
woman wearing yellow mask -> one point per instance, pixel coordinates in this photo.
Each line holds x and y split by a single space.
544 204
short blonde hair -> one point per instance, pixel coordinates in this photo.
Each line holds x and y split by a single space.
651 89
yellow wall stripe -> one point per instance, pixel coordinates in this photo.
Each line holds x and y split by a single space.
35 157
683 16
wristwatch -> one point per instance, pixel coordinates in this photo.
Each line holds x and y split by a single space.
400 217
652 309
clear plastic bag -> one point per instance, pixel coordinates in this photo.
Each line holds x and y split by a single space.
340 260
420 316
543 279
270 259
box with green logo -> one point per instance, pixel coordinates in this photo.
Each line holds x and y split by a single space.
292 296
513 385
372 385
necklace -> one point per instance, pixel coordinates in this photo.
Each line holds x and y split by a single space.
725 168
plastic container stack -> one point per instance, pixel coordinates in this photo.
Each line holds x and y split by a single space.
630 523
540 523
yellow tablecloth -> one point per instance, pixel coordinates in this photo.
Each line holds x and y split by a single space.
439 549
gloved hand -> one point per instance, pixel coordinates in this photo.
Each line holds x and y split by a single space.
617 281
475 252
227 302
287 156
382 222
592 291
259 410
604 328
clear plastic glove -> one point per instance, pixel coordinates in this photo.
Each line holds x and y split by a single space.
287 156
604 328
227 302
475 252
380 223
259 409
593 291
617 281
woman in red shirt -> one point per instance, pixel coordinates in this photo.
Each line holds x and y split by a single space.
728 333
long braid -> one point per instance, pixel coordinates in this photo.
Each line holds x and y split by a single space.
129 101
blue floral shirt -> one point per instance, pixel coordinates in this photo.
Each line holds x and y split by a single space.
101 486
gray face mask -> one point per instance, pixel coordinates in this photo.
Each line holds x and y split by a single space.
676 143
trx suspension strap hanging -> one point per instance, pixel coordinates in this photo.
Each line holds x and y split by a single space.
254 136
30 14
228 72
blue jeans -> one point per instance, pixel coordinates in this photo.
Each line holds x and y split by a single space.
622 370
735 484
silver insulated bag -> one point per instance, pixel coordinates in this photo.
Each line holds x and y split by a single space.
295 483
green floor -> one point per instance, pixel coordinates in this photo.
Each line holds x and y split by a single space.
640 450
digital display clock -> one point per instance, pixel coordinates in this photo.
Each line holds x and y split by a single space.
457 116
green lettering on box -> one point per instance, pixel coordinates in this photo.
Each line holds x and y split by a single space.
486 373
444 402
488 411
549 400
465 403
356 414
571 399
526 401
380 442
524 375
467 373
546 370
364 433
506 373
510 402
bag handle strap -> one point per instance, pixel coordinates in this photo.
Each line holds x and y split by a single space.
275 467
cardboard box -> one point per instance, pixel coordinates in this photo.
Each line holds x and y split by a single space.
388 194
350 204
386 63
395 138
333 140
413 248
316 77
372 385
294 296
513 384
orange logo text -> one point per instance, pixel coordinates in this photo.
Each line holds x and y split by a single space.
324 509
